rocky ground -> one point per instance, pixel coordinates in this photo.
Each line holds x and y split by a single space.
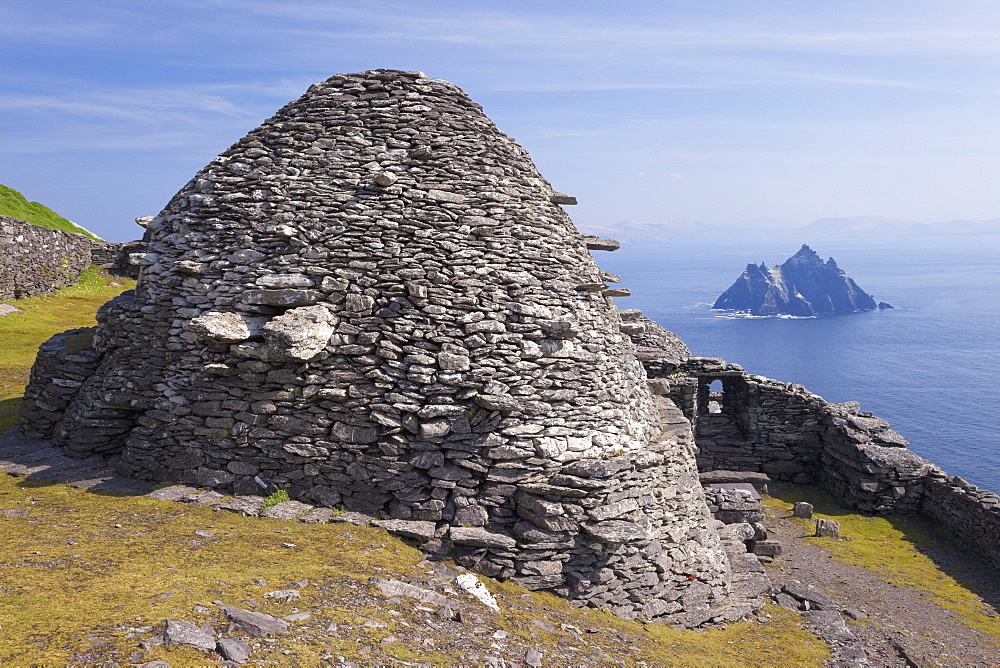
424 613
896 625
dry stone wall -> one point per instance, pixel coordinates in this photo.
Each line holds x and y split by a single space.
791 434
785 431
120 259
374 300
971 513
62 365
36 260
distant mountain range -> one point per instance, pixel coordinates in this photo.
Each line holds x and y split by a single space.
682 230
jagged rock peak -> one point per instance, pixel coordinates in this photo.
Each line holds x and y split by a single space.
803 285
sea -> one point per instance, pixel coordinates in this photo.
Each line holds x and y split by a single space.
930 366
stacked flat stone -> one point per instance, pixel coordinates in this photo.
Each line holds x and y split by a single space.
785 431
119 259
36 260
375 300
653 342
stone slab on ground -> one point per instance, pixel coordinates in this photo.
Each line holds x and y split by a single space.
351 517
234 649
286 510
179 632
244 504
205 498
172 493
317 516
256 624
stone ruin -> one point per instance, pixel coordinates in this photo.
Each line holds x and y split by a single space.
375 301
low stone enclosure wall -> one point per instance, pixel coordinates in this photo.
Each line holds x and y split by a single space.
753 423
121 258
37 260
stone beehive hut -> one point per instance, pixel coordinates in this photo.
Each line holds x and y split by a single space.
374 299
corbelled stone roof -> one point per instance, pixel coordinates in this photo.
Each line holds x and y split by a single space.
374 299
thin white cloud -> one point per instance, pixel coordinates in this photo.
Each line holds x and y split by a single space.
146 105
574 34
53 26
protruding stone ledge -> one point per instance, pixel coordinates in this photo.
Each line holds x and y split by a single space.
559 198
633 328
608 277
595 242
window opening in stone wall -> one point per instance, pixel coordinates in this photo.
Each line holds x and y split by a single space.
715 396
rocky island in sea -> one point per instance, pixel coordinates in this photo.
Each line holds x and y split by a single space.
803 286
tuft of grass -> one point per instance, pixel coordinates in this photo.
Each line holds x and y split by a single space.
16 205
899 548
278 497
43 316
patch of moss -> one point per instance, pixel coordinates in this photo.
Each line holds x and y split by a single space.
897 548
43 316
16 205
83 574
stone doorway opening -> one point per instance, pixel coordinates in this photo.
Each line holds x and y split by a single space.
716 396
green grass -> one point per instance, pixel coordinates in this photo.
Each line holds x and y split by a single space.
16 205
82 570
899 548
278 497
43 316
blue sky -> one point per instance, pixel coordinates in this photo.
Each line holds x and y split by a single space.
737 112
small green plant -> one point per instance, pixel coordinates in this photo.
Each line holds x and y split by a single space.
338 510
161 485
276 498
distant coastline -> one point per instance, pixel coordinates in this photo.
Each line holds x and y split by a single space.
857 228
